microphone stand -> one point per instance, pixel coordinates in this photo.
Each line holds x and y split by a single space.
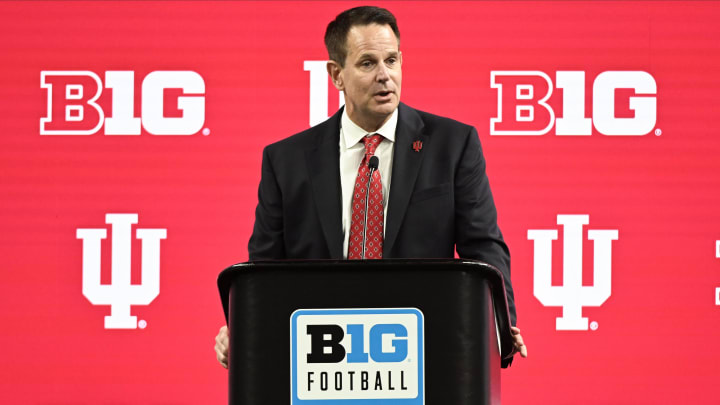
373 165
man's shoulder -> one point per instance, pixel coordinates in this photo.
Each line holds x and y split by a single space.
327 130
433 122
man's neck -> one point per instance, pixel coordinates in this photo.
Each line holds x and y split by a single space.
369 125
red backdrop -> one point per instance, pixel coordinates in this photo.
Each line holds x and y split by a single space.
652 341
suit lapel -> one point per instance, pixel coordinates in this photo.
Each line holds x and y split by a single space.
406 166
323 162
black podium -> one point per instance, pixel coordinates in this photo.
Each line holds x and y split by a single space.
365 332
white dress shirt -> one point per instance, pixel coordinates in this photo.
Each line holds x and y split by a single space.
352 152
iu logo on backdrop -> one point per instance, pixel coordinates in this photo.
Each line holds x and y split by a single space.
319 91
523 109
73 109
367 356
120 294
717 256
572 296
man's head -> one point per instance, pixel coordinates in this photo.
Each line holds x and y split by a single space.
365 63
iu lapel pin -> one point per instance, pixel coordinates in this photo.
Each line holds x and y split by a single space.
417 145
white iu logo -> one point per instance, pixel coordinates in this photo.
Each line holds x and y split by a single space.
572 295
319 91
120 294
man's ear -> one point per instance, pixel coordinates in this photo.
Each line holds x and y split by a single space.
335 71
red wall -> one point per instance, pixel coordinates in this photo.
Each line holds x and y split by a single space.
652 341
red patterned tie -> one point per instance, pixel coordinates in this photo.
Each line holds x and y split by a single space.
374 236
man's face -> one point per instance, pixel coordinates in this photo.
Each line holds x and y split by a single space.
372 75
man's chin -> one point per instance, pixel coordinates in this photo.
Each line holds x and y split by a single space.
385 109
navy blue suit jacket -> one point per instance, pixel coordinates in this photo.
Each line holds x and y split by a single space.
440 198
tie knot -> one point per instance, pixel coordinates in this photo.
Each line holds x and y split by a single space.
371 143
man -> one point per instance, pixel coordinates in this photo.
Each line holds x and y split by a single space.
430 183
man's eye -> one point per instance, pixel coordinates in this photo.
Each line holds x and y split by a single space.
391 61
366 63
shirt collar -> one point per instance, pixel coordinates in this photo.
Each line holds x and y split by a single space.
352 133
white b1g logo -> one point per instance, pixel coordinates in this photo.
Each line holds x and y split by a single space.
72 107
523 109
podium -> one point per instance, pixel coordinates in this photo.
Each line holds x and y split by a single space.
398 331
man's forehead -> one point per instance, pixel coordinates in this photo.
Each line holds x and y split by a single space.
389 52
371 38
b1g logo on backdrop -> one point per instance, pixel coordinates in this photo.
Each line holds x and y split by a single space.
73 109
523 109
120 294
346 355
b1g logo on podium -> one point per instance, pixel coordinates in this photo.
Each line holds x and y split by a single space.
358 356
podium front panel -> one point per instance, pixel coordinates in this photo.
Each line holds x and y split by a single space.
459 330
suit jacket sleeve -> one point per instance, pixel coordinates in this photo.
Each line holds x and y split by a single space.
267 240
477 235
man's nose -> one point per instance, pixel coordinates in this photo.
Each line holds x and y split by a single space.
383 73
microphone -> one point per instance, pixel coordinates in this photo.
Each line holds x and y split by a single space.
373 165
